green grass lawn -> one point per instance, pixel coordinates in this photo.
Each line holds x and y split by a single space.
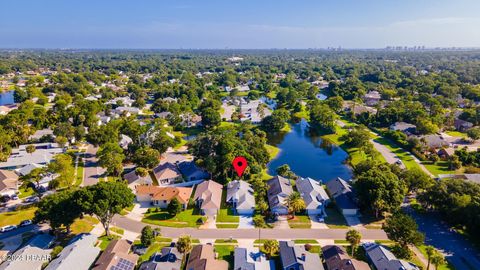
25 192
454 133
225 241
305 241
15 217
117 230
335 219
440 167
341 242
226 215
273 151
80 168
225 252
227 225
105 240
300 222
447 266
185 218
84 225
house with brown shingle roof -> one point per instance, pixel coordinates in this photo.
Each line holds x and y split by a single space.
161 196
8 182
208 197
337 258
167 174
202 257
116 256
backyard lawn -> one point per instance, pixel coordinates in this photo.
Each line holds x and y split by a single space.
15 217
440 167
25 192
185 218
300 222
225 252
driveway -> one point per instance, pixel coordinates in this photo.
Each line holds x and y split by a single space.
245 222
317 224
92 172
138 211
353 221
457 249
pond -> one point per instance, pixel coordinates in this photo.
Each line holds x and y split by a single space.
6 98
309 155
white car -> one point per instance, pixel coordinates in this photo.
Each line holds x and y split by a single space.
26 223
8 228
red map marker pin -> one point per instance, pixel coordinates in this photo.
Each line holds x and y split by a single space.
239 164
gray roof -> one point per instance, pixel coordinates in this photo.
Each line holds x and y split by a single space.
250 259
169 258
80 252
473 177
279 190
43 154
342 192
191 171
37 247
292 255
402 126
133 177
312 192
434 140
29 168
383 259
240 192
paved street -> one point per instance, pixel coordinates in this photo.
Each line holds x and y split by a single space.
92 171
454 246
19 231
136 226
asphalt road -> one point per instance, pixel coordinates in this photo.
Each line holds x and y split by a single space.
92 172
18 231
332 234
458 251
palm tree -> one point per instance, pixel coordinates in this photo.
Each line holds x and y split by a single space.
184 244
438 259
353 237
430 252
30 148
270 247
295 203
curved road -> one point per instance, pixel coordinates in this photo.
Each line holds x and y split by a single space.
330 234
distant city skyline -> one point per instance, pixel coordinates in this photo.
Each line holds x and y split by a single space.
246 24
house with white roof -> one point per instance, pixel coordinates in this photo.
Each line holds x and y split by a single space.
251 259
314 195
44 153
383 259
35 253
240 196
79 254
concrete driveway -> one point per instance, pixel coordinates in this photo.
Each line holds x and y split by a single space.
139 211
245 222
317 224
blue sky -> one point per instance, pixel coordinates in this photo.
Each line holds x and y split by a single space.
238 24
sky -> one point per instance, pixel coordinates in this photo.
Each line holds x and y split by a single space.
240 24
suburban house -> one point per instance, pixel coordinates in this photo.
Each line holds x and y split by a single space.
403 127
337 258
167 173
280 189
357 108
191 171
462 125
341 192
434 141
295 257
28 169
314 195
81 252
372 98
116 256
251 259
36 249
169 258
254 111
161 196
44 154
446 153
134 180
383 259
202 257
8 183
42 134
240 196
208 197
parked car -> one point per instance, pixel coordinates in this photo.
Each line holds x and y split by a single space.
26 223
7 228
32 200
14 197
5 198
